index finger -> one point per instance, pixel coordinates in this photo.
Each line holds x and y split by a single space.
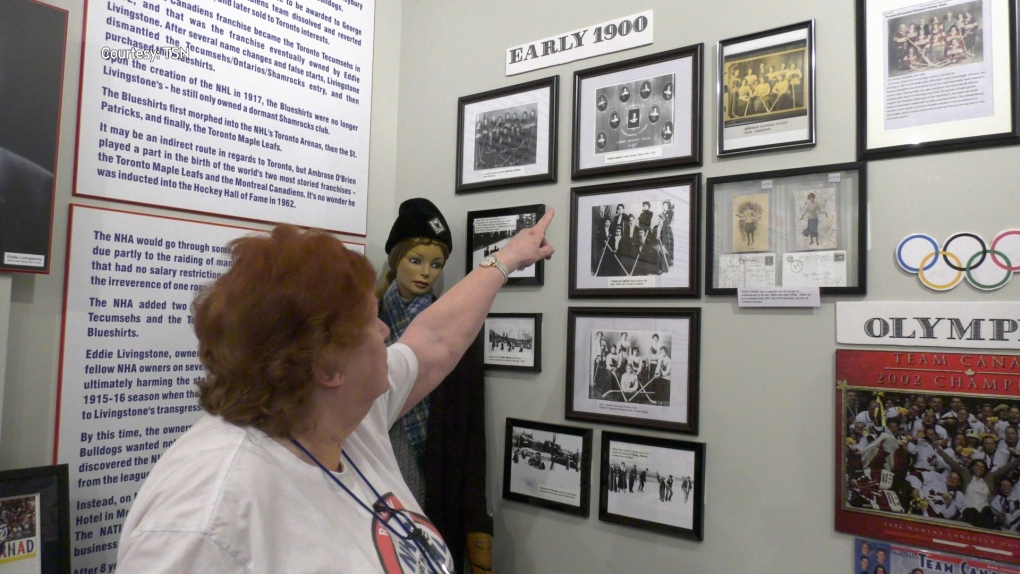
545 221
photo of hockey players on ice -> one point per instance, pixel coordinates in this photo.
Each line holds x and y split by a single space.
510 341
631 367
938 458
650 483
632 239
546 465
935 39
506 137
637 114
490 232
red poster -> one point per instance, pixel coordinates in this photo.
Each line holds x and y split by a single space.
928 452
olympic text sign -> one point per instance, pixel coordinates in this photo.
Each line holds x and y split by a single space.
912 324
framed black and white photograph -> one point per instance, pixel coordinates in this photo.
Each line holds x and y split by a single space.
790 228
635 238
548 465
643 113
35 532
766 89
489 230
634 366
935 77
655 484
513 342
507 137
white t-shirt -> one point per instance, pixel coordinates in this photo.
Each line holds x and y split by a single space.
230 499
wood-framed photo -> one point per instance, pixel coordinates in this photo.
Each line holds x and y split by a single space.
513 342
634 366
489 230
790 228
548 465
935 77
35 520
635 238
766 89
639 114
927 449
655 484
507 137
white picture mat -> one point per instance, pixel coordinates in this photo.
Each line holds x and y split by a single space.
645 505
539 97
557 484
513 327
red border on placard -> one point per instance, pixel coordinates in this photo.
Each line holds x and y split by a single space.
77 148
56 157
923 372
67 268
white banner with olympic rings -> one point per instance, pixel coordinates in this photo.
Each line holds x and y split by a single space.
986 266
915 324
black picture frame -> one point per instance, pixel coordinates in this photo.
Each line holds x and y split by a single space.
44 489
751 118
660 393
669 135
895 118
680 510
758 235
529 446
512 342
665 263
521 153
494 228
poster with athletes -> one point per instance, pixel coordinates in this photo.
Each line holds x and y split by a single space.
252 110
638 114
33 36
651 483
20 548
129 359
766 90
928 451
875 556
547 465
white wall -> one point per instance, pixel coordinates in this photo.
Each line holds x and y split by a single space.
767 389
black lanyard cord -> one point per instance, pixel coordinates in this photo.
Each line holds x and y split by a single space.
413 533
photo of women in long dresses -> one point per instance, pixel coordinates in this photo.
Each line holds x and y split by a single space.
816 219
751 223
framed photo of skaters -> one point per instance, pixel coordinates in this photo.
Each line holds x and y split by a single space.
654 484
507 137
935 77
639 114
635 238
927 450
488 231
513 342
634 366
548 465
35 524
789 228
766 90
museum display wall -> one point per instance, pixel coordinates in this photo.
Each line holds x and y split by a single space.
765 396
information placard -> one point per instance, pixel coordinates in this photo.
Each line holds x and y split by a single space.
251 109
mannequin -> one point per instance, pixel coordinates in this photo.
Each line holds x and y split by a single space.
440 443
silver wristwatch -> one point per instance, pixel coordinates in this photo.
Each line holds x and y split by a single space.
491 261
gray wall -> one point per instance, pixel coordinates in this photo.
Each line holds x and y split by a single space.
767 389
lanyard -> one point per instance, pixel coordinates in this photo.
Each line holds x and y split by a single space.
411 531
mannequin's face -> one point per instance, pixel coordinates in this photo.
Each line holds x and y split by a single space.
418 270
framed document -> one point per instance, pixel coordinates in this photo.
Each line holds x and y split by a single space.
935 76
490 229
513 342
790 228
766 89
634 366
35 524
655 484
638 114
635 238
507 137
532 455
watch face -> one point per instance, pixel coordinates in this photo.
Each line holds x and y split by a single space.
488 261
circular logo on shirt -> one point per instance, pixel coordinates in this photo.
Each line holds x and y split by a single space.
397 554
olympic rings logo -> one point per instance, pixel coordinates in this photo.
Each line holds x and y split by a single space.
964 255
